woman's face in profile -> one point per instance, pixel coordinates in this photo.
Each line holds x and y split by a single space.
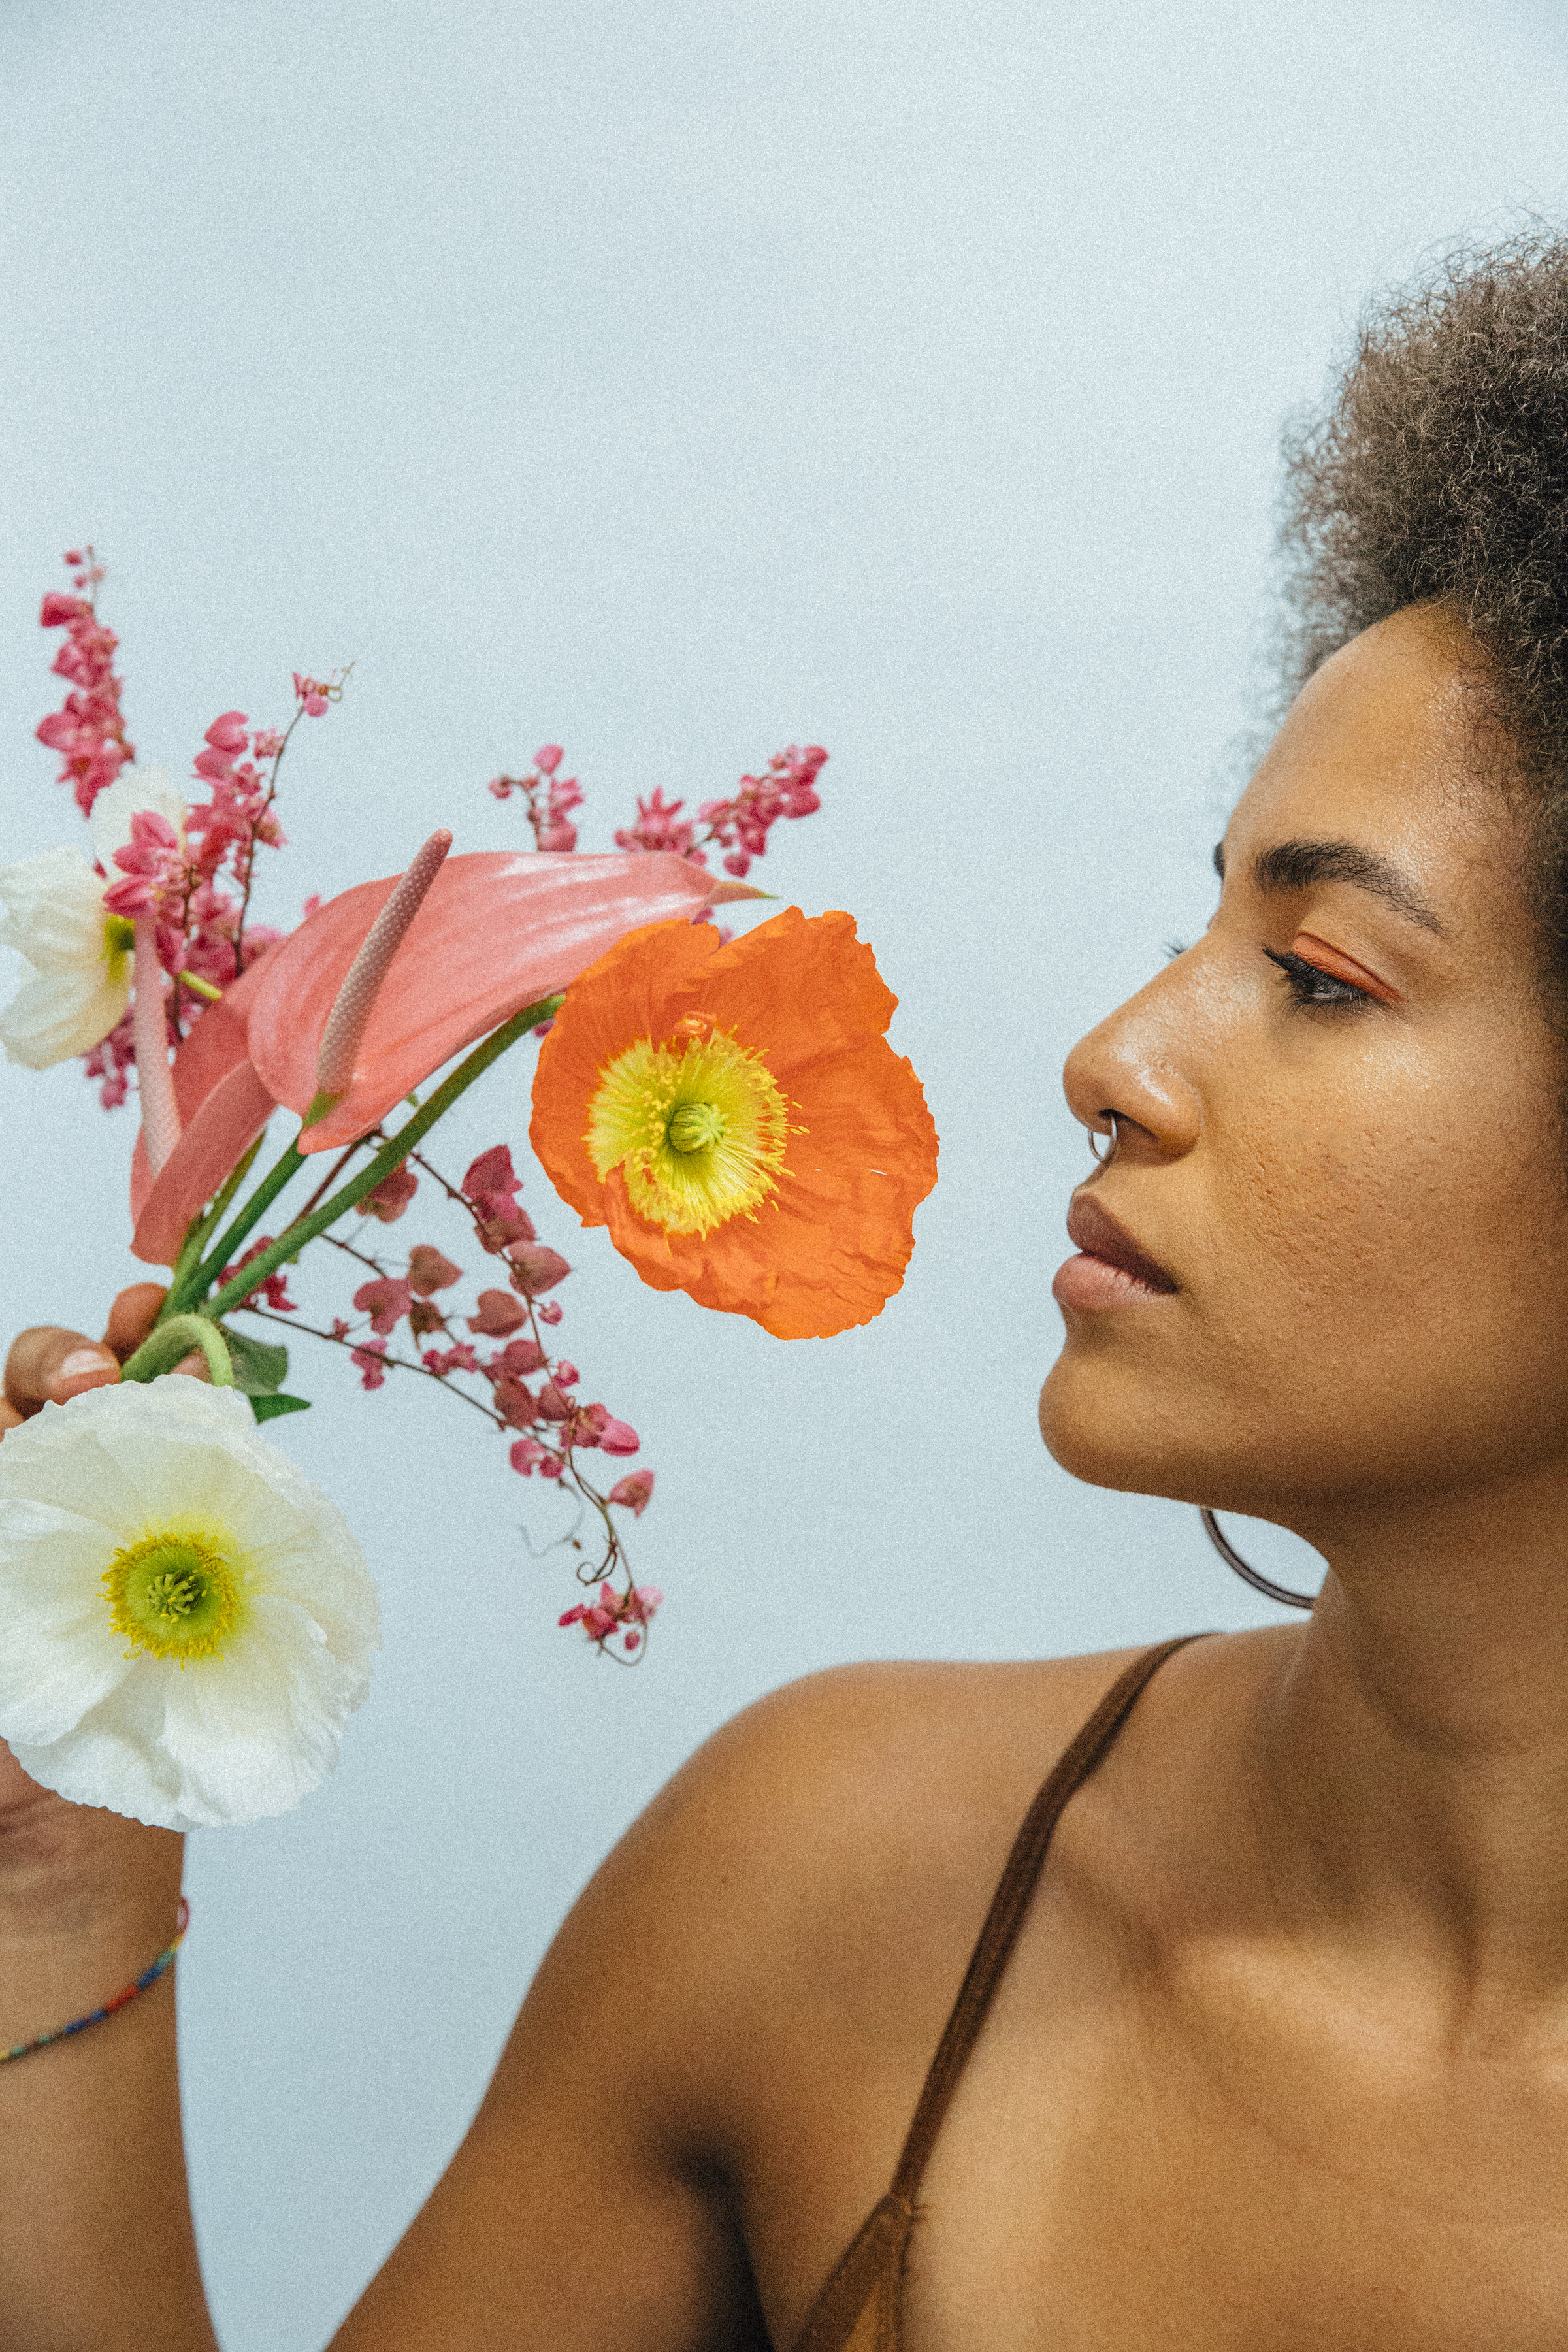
1341 1137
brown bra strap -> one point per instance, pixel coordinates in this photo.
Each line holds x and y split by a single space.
1008 1905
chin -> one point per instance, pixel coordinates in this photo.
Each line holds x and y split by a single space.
1112 1431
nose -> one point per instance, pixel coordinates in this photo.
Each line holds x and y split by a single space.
1127 1076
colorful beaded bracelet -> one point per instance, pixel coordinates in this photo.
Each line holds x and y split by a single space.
96 2016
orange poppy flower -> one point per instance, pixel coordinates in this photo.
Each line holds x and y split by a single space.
737 1117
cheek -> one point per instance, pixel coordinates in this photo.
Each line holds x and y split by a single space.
1391 1279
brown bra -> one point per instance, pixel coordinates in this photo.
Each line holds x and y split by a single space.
858 2310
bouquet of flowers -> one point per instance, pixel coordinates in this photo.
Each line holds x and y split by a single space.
188 1620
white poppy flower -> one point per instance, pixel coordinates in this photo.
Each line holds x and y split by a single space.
132 789
185 1620
52 912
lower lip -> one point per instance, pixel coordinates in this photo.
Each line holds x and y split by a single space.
1093 1282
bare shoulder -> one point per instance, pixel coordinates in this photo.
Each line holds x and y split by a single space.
814 1877
734 2024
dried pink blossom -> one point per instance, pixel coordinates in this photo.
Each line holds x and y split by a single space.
634 1492
491 1181
391 1195
497 1233
536 1268
275 1289
228 731
428 1271
386 1300
499 1314
514 1403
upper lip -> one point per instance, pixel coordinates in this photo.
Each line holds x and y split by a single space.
1092 1229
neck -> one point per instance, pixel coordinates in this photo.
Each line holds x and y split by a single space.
1412 1753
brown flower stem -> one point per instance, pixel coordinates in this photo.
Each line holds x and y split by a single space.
398 1363
336 1170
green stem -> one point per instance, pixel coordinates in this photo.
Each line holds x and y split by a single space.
171 1342
202 1278
190 1252
391 1155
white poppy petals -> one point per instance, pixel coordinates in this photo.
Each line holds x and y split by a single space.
52 912
186 1622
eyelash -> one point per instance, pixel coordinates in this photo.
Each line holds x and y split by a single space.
1310 985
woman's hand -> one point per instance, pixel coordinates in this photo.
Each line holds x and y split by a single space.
50 1365
96 2248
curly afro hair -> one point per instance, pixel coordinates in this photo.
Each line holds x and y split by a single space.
1441 471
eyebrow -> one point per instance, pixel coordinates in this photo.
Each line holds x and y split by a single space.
1297 864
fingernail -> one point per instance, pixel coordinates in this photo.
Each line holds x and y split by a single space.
85 1364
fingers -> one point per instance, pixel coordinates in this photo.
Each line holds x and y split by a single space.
48 1365
132 1316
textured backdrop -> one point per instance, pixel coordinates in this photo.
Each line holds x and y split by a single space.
675 379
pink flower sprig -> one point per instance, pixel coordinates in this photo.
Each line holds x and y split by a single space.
197 891
528 1392
738 825
549 799
741 824
88 729
625 1613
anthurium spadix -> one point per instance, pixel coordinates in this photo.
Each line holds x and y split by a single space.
495 930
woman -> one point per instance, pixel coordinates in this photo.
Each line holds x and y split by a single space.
1278 2053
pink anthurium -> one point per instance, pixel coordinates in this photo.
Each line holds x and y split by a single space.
223 1108
497 930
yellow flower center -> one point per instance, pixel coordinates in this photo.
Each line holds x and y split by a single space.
698 1127
176 1596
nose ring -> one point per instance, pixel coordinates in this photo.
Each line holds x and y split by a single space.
1103 1157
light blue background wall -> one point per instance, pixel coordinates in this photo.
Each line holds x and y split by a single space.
676 380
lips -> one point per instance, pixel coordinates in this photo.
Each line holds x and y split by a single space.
1092 1229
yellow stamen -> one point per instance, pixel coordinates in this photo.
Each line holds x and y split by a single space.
697 1127
175 1595
119 938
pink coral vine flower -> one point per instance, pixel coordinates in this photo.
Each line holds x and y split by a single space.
386 1301
615 1613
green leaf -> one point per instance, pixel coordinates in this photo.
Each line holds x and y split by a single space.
267 1408
259 1368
